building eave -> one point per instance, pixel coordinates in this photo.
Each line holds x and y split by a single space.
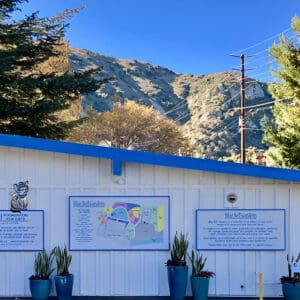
117 156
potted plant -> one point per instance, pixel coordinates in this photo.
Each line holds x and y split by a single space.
199 278
64 279
40 283
291 283
177 267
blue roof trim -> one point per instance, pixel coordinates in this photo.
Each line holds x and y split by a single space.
119 155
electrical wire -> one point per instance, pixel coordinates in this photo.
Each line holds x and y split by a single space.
260 43
260 104
184 102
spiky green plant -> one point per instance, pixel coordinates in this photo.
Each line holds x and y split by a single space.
43 265
292 278
290 262
179 249
63 260
198 263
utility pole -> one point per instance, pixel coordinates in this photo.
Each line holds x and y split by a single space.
243 113
242 120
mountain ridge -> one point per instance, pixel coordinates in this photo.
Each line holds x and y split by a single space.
206 106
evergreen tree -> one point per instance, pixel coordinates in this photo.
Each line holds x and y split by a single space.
30 98
283 134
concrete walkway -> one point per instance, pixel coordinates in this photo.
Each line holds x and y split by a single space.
143 298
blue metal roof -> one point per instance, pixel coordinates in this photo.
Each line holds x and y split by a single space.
121 155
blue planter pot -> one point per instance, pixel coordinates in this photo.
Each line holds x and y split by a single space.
200 287
64 286
177 278
291 291
40 289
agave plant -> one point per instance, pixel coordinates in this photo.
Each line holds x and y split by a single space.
63 260
292 277
43 265
198 264
179 250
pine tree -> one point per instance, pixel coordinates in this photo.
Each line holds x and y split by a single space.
283 134
30 98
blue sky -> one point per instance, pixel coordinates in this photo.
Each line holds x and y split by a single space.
186 36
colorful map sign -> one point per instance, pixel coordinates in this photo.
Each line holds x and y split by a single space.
119 223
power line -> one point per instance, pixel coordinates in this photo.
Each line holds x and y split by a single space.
260 104
260 43
230 125
257 59
178 106
183 102
255 105
210 106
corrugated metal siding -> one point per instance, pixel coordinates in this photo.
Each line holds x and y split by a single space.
53 177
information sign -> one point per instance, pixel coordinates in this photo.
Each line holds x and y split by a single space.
119 223
240 229
22 231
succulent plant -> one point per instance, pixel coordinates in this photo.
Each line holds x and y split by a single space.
63 260
198 264
179 250
292 277
43 265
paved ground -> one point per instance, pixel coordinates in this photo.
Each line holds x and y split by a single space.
142 298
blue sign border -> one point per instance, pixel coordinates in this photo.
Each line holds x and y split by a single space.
120 196
237 210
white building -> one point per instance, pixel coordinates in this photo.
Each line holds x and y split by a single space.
56 170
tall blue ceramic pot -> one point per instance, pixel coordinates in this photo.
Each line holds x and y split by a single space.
64 286
40 288
177 278
200 287
291 291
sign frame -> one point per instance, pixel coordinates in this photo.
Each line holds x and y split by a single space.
281 214
83 213
37 227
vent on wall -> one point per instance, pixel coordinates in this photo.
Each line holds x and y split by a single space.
231 201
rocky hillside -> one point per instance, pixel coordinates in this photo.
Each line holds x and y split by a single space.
207 106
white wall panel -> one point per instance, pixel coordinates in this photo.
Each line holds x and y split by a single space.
13 158
15 274
74 171
90 172
161 176
176 177
105 174
147 175
59 170
119 274
191 177
207 178
222 273
44 169
87 267
150 273
237 266
135 278
53 177
103 274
